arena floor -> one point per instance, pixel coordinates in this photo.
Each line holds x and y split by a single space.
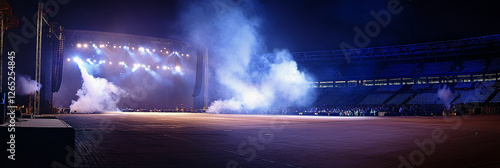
116 139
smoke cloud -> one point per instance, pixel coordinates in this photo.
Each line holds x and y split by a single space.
25 85
246 78
96 95
445 95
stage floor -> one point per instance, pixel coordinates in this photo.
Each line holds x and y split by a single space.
116 139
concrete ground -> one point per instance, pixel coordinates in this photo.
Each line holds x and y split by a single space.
116 139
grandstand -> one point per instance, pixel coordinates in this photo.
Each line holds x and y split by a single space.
407 74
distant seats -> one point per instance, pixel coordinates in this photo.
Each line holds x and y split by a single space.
400 98
473 65
424 98
437 67
375 99
389 88
420 87
462 86
399 69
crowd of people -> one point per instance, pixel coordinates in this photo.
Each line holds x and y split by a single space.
378 110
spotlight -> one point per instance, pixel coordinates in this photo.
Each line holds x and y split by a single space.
114 46
140 49
147 49
154 50
76 59
182 54
133 48
164 67
187 55
110 63
101 46
79 45
68 59
94 60
119 46
144 66
177 68
103 61
157 67
149 66
85 45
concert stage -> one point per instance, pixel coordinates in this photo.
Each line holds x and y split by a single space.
119 139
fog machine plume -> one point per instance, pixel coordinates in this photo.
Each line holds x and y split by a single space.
26 85
246 77
96 95
445 95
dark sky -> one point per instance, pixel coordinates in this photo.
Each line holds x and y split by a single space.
299 25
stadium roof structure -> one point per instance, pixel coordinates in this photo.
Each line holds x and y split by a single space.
451 48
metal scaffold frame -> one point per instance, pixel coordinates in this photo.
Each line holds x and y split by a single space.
38 75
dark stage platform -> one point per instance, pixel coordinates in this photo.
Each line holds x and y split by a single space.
118 139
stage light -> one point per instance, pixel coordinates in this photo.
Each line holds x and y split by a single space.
77 60
79 45
164 67
182 54
147 49
133 48
94 60
144 66
93 45
140 49
149 66
119 46
110 63
187 55
157 67
103 61
85 45
154 50
114 46
68 60
177 68
101 46
167 52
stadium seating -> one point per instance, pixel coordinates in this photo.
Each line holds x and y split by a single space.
473 65
437 68
389 88
375 99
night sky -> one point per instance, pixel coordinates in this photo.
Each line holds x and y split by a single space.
296 25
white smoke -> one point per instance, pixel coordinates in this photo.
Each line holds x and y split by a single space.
446 96
25 85
96 95
252 81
